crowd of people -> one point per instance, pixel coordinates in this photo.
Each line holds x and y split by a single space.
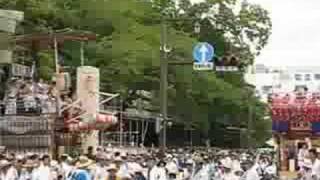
152 164
27 96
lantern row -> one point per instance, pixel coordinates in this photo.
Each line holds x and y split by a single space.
295 99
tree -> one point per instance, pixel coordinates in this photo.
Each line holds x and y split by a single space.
127 50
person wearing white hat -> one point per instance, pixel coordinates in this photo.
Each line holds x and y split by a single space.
158 172
227 170
81 171
123 165
112 172
171 164
65 165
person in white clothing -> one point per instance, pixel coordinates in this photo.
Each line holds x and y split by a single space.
27 170
252 172
313 155
65 165
43 172
305 172
7 171
302 154
158 172
228 174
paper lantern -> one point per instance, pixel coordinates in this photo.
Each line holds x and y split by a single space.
106 118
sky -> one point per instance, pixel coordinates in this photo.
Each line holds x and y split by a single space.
295 39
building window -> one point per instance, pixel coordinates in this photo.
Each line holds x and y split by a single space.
307 77
298 77
317 76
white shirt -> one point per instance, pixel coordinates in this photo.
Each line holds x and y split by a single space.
229 176
236 165
316 168
42 173
124 170
302 154
100 173
25 175
66 169
272 169
252 174
11 174
158 173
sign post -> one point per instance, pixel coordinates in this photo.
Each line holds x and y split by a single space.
203 54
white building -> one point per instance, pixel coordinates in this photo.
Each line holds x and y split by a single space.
283 79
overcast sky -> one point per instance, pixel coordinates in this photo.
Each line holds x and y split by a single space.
295 38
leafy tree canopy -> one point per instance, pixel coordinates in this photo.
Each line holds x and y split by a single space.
127 51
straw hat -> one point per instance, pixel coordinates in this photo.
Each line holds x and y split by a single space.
19 157
123 154
4 163
28 164
169 156
189 161
226 164
112 167
84 162
118 159
54 164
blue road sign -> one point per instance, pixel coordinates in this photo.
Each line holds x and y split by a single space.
203 53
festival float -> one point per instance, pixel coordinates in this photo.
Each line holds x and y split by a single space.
28 127
295 121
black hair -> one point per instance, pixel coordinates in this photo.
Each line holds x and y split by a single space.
313 151
34 157
45 157
63 158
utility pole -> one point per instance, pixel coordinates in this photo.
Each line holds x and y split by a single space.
162 123
249 122
163 83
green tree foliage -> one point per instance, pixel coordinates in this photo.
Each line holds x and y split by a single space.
127 51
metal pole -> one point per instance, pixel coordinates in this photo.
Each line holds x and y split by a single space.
82 53
121 124
56 59
191 138
163 83
56 55
130 131
249 123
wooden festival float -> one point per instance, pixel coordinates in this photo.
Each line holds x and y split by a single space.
295 121
72 124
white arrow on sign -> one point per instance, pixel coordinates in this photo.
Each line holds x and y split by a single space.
203 50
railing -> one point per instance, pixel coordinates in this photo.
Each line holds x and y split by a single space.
27 141
23 151
31 106
19 125
113 138
27 132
